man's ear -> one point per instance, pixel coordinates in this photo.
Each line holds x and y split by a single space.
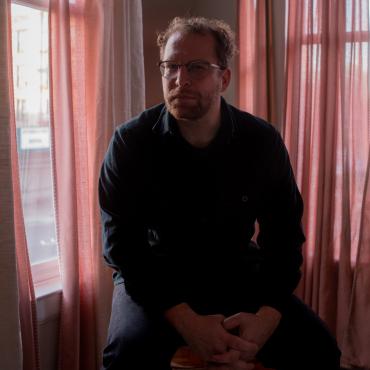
226 77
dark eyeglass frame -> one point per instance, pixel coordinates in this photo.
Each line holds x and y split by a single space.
177 66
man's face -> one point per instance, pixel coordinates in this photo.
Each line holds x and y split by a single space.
186 97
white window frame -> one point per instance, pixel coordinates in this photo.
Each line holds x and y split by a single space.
46 277
36 4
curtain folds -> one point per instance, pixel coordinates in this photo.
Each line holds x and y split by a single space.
18 340
326 127
96 64
261 67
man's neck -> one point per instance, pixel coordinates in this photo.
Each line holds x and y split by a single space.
199 133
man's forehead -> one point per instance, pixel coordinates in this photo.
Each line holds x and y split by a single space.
189 45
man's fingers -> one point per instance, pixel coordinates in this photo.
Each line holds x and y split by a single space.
247 357
232 322
226 357
219 317
242 345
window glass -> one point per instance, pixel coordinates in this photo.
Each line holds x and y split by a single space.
31 99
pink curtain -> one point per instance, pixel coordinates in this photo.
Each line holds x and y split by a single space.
18 340
255 61
261 67
96 64
326 126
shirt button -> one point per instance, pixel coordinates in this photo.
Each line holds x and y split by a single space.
203 219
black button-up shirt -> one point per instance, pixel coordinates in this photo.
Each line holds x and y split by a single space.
178 220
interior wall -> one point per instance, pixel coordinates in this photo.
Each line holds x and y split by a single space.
156 16
227 11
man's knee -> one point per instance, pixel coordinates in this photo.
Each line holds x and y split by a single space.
135 340
123 351
302 341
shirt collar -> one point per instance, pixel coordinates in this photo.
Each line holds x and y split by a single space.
166 123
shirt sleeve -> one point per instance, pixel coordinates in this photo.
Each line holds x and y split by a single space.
149 278
280 230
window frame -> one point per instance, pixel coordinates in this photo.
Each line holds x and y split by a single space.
46 277
35 4
315 39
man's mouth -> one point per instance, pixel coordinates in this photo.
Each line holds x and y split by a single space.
183 97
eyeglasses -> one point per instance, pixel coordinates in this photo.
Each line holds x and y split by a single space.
197 69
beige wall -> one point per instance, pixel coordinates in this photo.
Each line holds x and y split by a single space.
156 16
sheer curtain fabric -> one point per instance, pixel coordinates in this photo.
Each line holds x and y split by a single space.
96 61
18 334
326 127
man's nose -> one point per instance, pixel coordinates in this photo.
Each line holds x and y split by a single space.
182 77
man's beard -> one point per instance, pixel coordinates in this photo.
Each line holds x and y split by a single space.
186 105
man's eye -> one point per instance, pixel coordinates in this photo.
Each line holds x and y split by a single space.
197 67
171 66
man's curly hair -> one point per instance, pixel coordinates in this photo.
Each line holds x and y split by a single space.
221 31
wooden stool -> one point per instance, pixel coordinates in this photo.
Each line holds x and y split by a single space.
184 358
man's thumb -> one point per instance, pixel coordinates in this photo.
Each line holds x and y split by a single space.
232 322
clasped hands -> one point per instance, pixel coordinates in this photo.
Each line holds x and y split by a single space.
212 338
254 330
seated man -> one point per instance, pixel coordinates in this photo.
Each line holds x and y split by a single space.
181 188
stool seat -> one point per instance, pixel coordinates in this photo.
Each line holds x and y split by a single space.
184 358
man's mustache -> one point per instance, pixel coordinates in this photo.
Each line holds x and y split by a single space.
182 94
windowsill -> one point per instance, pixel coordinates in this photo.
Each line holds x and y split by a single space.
49 287
46 278
48 299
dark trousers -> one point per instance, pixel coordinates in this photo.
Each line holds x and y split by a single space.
137 341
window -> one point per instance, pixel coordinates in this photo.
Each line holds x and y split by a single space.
19 38
31 96
353 41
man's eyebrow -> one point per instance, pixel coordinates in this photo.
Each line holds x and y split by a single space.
190 61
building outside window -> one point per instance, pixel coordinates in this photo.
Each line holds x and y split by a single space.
31 96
